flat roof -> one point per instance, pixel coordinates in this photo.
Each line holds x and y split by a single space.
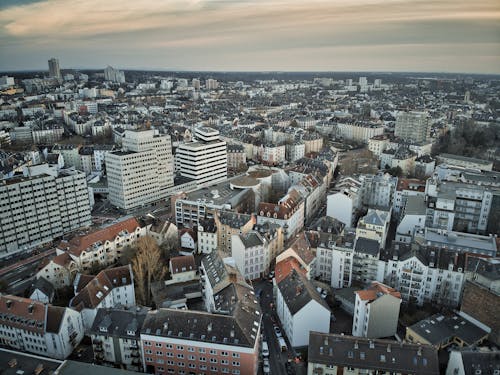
25 362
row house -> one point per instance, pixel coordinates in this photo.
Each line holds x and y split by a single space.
288 213
109 288
39 328
103 246
229 223
116 337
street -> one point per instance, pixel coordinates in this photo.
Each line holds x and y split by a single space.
277 358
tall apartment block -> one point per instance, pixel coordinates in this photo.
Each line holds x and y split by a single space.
412 126
43 205
54 70
142 172
205 159
114 75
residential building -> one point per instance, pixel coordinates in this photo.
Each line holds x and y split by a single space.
288 212
112 287
343 204
374 225
142 172
376 311
42 205
313 142
203 160
366 266
59 271
230 223
473 361
70 154
406 187
236 157
250 252
359 130
273 234
114 75
116 337
182 269
425 274
300 309
295 151
465 162
102 247
42 291
333 354
442 331
412 126
35 327
207 236
54 69
378 144
302 251
412 218
189 241
377 191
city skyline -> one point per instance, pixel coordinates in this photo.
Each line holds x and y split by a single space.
357 35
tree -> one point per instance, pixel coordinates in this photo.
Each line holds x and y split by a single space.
147 267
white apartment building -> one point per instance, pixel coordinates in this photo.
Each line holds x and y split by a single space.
343 204
378 144
426 274
142 172
42 205
250 252
114 75
412 218
412 126
203 160
207 236
377 191
376 311
295 151
374 225
359 131
109 288
300 309
39 328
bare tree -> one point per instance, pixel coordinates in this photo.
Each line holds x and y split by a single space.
148 267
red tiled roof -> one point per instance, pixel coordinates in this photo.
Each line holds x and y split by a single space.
178 263
31 313
285 267
405 183
371 293
78 244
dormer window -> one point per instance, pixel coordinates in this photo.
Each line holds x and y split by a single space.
103 329
131 333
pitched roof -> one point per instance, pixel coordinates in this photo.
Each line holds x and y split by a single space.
101 285
377 290
285 267
297 292
182 264
23 313
78 244
372 354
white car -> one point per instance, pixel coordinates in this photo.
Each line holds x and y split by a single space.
265 367
265 349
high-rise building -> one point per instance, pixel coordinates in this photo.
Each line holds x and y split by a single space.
40 206
54 70
205 159
412 126
196 83
363 81
211 84
114 75
142 172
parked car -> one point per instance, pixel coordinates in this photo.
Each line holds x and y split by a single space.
265 349
277 330
265 367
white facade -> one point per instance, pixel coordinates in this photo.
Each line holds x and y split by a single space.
204 160
359 131
41 206
207 240
114 75
251 254
143 172
295 151
342 206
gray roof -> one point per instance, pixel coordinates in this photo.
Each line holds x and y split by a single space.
367 246
118 322
297 292
376 217
82 368
486 361
415 205
464 158
236 323
439 329
214 268
233 219
464 241
44 286
251 239
486 267
25 362
384 355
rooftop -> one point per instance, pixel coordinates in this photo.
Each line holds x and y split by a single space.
374 354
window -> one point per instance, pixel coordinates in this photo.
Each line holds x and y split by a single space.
236 355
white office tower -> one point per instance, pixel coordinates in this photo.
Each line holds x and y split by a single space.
142 172
412 126
205 159
114 75
40 206
54 70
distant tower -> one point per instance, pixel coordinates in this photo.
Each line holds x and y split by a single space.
54 70
467 97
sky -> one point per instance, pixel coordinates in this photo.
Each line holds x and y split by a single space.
253 35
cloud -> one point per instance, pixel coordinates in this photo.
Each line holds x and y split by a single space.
222 30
